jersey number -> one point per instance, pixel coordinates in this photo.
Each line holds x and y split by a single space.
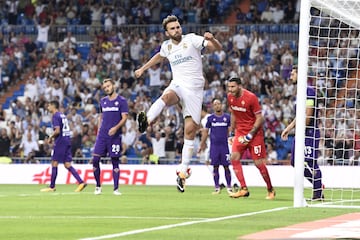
115 148
65 127
257 149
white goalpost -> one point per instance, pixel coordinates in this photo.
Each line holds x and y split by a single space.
329 62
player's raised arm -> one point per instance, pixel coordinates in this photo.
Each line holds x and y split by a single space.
214 44
154 60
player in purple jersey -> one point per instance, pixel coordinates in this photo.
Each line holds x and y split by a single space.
312 170
217 126
62 147
113 115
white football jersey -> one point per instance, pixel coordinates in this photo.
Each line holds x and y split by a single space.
185 60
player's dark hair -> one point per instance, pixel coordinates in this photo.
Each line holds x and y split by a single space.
108 80
295 67
235 79
169 19
55 104
214 99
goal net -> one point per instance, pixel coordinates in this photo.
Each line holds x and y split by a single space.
329 44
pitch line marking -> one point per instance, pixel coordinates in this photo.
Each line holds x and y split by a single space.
207 220
97 217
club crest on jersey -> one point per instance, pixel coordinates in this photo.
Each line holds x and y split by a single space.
185 46
243 102
116 103
169 47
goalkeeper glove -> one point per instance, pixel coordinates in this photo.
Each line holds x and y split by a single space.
245 139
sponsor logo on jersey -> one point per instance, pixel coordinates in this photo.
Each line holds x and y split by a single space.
219 124
181 60
239 109
110 109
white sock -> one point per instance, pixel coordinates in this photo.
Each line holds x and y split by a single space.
187 153
155 109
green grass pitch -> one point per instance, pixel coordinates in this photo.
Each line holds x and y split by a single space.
145 212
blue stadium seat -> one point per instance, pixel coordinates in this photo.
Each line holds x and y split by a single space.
247 28
86 151
153 29
264 28
274 28
5 30
254 28
71 29
4 21
83 50
30 29
285 28
81 29
75 21
191 16
295 28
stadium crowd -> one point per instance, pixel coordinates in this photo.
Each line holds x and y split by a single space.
57 71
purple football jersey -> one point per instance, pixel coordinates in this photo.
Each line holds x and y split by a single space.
62 143
218 126
219 150
111 114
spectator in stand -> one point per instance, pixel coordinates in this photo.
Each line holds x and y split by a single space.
12 6
57 92
5 143
92 82
240 42
28 147
127 78
125 91
158 141
140 88
255 42
136 46
120 16
170 143
108 19
69 41
155 81
267 15
31 89
96 13
29 10
71 10
289 12
144 146
278 13
272 157
60 23
43 33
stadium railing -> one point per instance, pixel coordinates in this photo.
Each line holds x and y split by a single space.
85 33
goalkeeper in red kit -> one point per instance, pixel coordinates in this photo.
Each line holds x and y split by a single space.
247 121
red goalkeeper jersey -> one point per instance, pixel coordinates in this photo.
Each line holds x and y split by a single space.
244 108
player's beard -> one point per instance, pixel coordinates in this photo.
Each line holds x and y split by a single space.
176 37
111 92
